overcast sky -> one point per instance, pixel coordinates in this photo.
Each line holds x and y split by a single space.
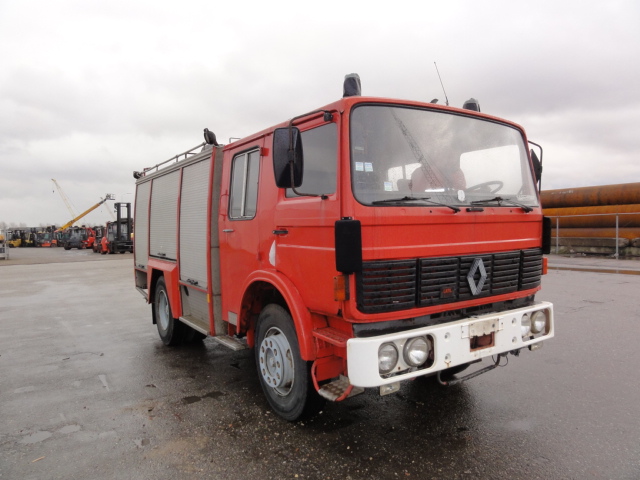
92 90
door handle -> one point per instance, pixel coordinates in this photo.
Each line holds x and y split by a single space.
280 232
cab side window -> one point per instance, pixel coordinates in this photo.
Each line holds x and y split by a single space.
320 150
244 185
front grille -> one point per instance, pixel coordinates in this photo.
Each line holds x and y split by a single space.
385 286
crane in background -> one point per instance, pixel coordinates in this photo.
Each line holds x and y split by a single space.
65 199
67 202
108 196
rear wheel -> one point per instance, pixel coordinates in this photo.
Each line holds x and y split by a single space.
284 376
170 329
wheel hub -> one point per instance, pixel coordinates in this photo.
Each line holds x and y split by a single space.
163 311
276 365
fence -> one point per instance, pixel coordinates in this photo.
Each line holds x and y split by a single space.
617 227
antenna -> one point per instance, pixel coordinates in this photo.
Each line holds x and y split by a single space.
445 93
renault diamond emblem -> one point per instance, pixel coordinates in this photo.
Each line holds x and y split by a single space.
477 266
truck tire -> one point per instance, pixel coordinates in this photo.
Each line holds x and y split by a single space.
170 329
284 376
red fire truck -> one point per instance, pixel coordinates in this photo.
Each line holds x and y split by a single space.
357 246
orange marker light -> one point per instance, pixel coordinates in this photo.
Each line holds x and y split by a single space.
340 288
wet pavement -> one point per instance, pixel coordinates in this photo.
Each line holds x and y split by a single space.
87 390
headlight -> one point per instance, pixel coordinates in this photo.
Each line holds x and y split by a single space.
387 357
525 325
538 321
416 351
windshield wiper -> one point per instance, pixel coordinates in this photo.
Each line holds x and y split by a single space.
501 200
415 199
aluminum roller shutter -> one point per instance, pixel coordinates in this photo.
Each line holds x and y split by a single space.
141 235
163 224
193 223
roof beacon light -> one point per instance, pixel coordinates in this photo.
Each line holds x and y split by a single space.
352 87
472 104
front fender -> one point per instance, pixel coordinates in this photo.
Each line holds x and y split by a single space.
299 312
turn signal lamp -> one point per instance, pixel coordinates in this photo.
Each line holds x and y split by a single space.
341 288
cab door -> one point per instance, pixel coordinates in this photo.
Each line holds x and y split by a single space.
303 244
239 226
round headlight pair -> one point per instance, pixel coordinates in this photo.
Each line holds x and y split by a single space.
415 353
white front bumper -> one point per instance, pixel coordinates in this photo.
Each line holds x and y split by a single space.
451 345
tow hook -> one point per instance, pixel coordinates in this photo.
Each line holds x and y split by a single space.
455 381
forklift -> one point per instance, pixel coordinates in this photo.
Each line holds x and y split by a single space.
118 237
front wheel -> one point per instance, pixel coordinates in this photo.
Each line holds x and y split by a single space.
170 329
284 376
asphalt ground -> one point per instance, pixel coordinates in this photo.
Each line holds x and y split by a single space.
87 390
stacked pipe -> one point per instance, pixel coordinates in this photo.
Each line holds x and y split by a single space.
599 205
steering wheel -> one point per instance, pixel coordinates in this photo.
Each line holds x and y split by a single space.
486 186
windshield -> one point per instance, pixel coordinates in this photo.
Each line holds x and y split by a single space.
402 154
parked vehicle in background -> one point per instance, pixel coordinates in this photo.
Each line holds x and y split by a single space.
99 233
44 236
79 237
119 232
15 237
21 237
4 249
59 238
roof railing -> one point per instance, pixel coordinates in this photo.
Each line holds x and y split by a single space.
176 158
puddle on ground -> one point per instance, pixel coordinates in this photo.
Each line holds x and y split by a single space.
70 429
194 399
36 437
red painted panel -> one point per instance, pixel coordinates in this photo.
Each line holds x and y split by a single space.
171 278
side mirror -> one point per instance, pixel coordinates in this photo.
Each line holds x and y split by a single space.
287 155
537 165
